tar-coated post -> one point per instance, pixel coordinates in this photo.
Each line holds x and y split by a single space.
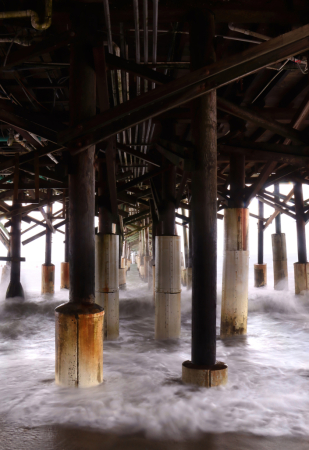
278 217
15 288
79 323
66 231
300 223
168 197
105 225
237 181
48 240
81 179
261 234
204 200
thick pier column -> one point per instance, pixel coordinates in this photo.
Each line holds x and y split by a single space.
79 323
168 266
48 269
280 263
189 267
65 266
107 281
234 306
147 257
203 369
15 288
107 270
301 268
260 269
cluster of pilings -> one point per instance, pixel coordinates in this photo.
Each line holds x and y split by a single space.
97 262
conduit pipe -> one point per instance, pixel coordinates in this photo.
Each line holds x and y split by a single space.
35 20
232 27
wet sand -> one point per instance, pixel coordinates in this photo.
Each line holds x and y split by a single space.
64 438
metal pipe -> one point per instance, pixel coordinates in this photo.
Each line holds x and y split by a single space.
35 20
232 27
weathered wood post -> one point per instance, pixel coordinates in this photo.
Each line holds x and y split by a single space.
15 288
186 250
65 266
189 267
203 369
168 265
234 306
260 269
154 220
107 260
48 269
301 268
280 264
79 323
147 257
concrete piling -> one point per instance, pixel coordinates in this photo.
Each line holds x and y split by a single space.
107 281
167 287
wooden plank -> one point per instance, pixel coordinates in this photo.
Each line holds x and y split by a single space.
186 88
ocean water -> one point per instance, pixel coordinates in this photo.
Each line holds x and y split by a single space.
267 392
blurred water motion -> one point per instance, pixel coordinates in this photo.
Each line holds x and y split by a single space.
267 393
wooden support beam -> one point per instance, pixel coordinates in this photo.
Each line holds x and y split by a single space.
276 207
47 220
181 188
47 45
141 70
140 155
43 233
134 217
275 214
263 121
255 188
296 155
185 89
36 178
279 175
29 157
29 208
126 186
300 224
21 118
16 176
12 259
